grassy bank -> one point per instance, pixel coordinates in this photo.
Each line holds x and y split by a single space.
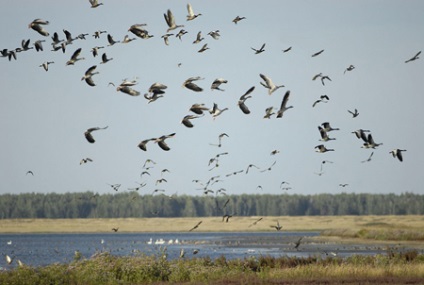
349 225
394 268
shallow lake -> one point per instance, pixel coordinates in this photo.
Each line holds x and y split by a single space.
43 249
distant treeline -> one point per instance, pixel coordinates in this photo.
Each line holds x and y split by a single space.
131 204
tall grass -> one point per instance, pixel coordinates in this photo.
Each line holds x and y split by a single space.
104 268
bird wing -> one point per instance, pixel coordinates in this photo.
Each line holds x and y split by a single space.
262 47
284 103
169 17
90 70
243 97
90 81
243 107
190 85
190 10
267 80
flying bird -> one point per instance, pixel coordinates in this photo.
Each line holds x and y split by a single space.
110 40
29 172
260 50
324 135
170 21
321 148
105 59
127 90
186 120
242 100
204 48
37 25
198 38
397 153
287 49
360 134
370 143
217 82
269 84
88 134
196 226
192 86
214 34
238 19
191 16
318 53
198 108
75 57
349 68
327 127
88 75
85 160
297 244
161 141
255 222
369 158
415 57
284 106
269 168
277 227
215 111
46 64
354 113
322 99
95 3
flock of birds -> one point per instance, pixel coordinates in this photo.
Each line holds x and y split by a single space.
197 110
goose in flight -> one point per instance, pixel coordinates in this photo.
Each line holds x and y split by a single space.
192 86
161 141
153 97
317 53
321 148
238 19
88 134
349 68
29 172
95 50
195 227
354 113
97 34
95 3
186 120
287 49
277 227
37 25
170 21
68 36
46 64
139 30
255 222
191 16
105 59
143 146
165 38
204 48
217 82
127 90
88 75
242 100
369 158
226 217
397 153
215 111
127 39
269 84
327 127
322 99
25 45
198 108
343 185
39 45
274 152
85 160
284 106
181 33
269 112
324 135
323 78
75 57
369 143
415 57
258 51
110 40
297 244
214 34
360 134
198 38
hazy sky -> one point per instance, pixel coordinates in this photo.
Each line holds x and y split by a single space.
43 115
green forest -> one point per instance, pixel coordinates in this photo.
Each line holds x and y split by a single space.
131 204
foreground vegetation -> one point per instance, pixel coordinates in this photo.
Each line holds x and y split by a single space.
103 268
139 204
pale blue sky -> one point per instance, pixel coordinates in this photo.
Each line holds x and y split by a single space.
43 115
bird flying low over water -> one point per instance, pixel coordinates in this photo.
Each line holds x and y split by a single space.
277 227
88 134
195 227
397 153
255 222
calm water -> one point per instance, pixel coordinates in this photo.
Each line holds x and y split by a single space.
43 249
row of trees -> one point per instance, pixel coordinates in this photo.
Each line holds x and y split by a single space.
131 204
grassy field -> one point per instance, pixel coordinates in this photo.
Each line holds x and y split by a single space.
343 224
